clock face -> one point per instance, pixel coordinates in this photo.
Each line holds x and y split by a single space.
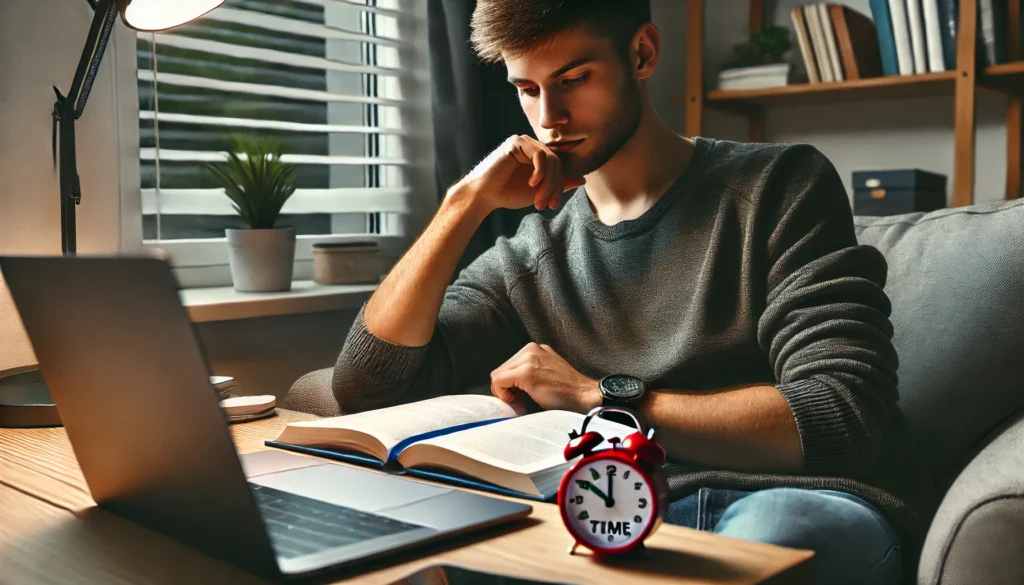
622 387
608 503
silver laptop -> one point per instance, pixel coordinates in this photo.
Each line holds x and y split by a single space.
125 370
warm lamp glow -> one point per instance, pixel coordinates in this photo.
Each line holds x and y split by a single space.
153 15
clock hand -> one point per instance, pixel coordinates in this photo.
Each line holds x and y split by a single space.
610 501
586 485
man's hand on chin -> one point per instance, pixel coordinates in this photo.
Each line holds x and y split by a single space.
547 379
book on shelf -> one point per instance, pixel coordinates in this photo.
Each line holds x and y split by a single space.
916 36
848 37
467 440
804 42
830 40
933 35
992 29
817 33
949 18
756 77
915 24
857 41
886 38
901 35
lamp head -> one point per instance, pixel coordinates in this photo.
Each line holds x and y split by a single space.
157 15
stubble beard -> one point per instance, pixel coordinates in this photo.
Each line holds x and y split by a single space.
620 128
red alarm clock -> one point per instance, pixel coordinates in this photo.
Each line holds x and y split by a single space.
614 498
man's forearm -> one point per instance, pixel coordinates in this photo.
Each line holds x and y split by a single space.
747 428
405 306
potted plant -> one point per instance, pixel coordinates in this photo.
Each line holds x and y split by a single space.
759 62
258 184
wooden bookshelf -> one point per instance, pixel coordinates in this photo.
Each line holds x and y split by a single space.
962 84
877 88
1007 78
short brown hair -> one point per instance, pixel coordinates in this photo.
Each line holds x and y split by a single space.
517 26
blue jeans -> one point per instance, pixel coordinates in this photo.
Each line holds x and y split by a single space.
852 542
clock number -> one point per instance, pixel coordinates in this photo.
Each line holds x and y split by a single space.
578 500
583 515
611 470
643 503
595 474
610 538
637 519
625 475
638 485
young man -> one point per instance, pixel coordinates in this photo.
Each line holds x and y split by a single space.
723 277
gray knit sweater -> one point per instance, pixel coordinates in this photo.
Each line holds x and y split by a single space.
746 271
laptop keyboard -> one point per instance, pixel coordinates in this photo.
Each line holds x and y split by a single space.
300 526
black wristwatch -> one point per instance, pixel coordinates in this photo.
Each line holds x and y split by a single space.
624 391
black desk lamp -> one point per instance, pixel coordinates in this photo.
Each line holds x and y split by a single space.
24 399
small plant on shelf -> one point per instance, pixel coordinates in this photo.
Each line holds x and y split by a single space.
760 62
256 180
258 183
768 45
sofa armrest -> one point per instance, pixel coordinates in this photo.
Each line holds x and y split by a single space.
312 393
977 535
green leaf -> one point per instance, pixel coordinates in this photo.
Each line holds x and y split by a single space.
255 180
768 44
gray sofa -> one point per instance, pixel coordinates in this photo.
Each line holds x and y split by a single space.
956 281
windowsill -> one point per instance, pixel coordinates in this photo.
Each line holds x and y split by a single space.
225 303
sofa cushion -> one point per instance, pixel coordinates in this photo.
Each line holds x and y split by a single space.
979 528
956 281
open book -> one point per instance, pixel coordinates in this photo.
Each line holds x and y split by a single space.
470 440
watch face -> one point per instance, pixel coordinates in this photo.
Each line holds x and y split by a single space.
608 504
624 388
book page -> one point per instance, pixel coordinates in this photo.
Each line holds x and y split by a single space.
396 423
527 444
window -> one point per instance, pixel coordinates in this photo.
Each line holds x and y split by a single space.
342 83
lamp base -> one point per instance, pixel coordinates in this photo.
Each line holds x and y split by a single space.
25 400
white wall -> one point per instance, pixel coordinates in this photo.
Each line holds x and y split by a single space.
916 133
40 45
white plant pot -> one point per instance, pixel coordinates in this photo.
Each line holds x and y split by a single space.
262 260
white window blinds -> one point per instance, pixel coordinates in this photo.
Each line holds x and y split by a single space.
331 79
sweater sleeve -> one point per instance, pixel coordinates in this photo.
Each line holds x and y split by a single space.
477 330
826 325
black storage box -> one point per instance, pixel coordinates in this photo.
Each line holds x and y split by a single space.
898 191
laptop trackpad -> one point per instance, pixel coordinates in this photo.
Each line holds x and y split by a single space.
361 489
274 461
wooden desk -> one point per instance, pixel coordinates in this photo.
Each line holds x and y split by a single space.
52 532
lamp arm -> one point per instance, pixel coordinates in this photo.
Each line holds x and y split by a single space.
68 109
95 45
